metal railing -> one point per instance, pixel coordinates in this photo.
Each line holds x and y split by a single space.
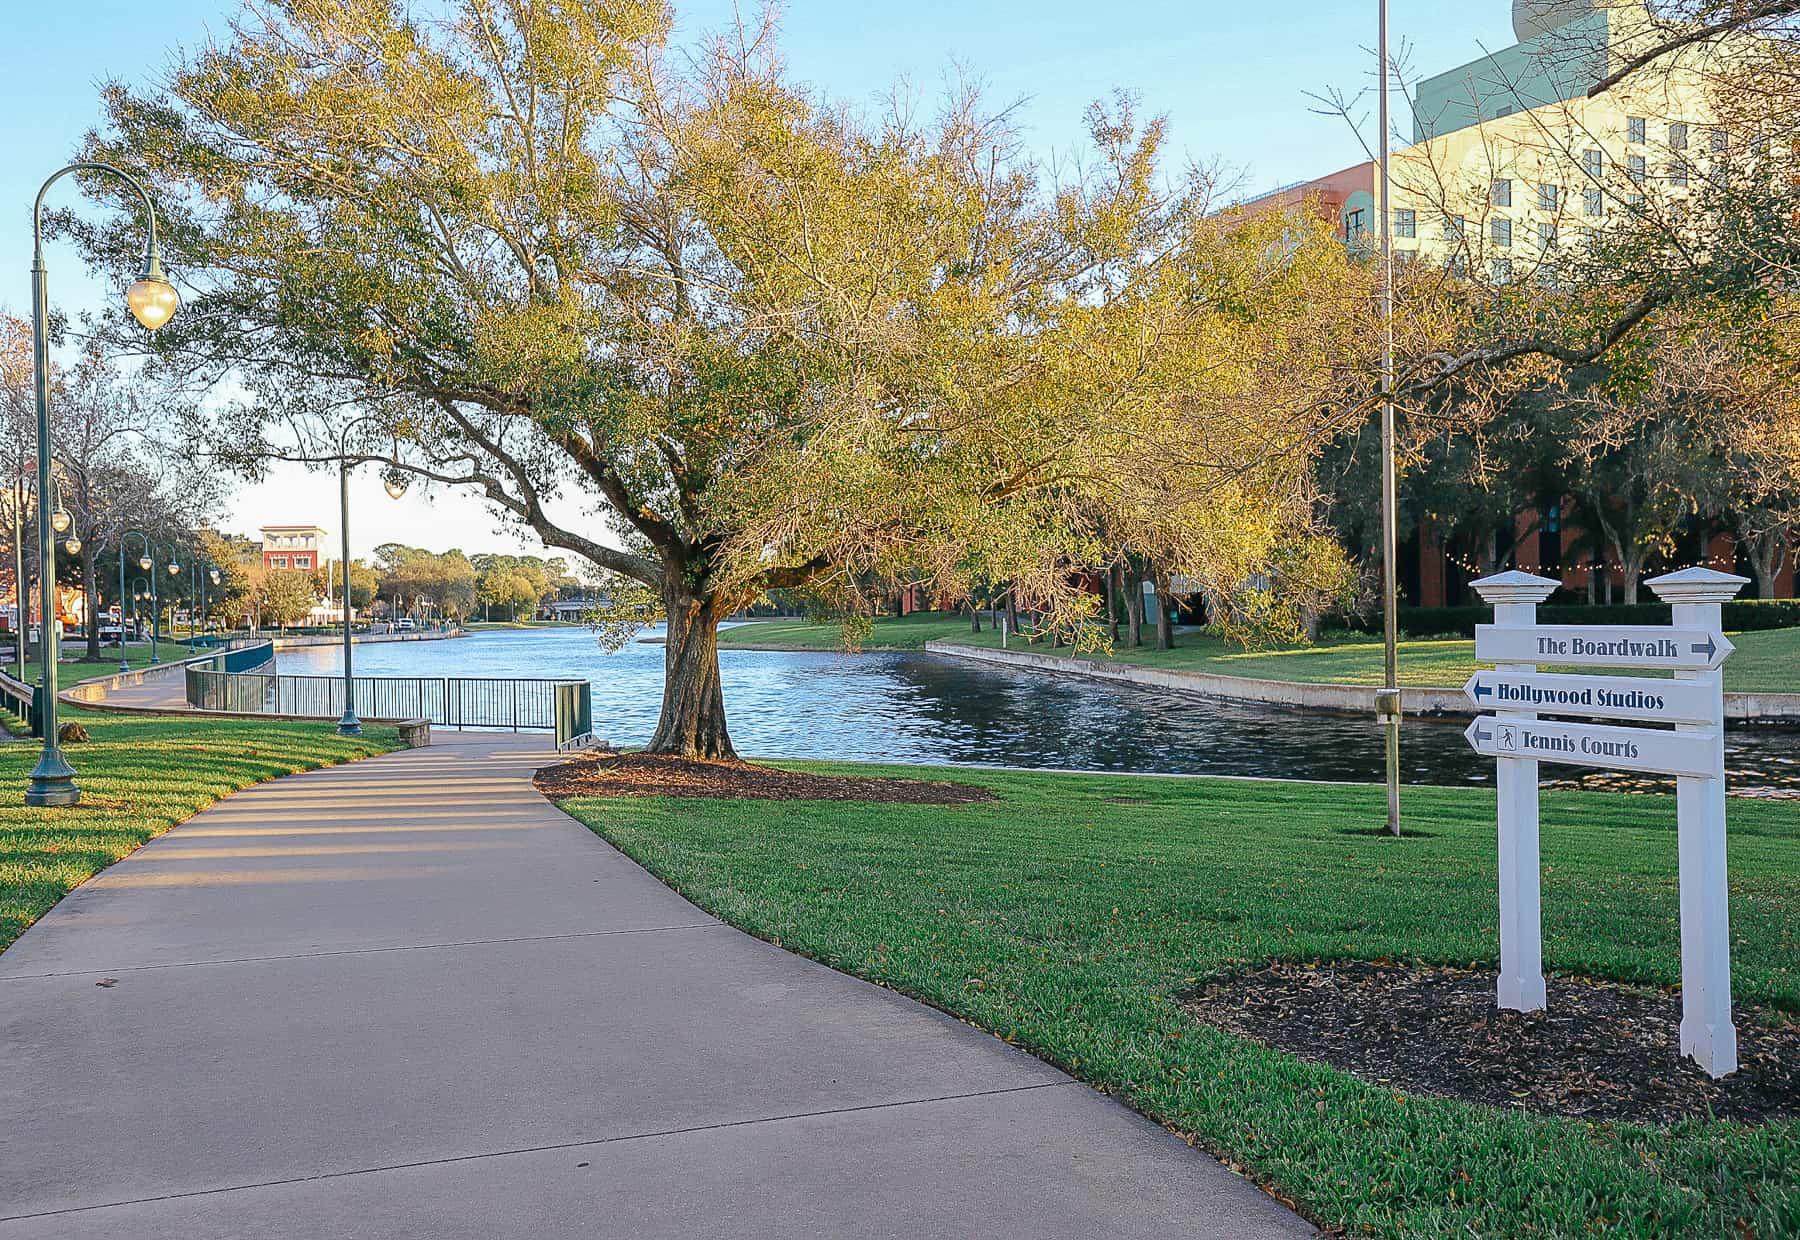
563 708
20 700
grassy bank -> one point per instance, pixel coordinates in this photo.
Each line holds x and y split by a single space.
1072 915
1765 662
140 776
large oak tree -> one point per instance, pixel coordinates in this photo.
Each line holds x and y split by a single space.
715 335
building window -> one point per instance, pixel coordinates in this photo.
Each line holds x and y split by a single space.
1455 227
1502 268
1500 193
1593 202
1547 235
1636 169
1406 222
1634 130
1593 163
1500 231
278 561
1678 136
1678 172
303 561
1759 145
1719 141
1353 223
1459 265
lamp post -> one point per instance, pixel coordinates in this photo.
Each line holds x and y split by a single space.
396 484
174 567
196 598
21 619
152 300
139 596
1389 698
144 563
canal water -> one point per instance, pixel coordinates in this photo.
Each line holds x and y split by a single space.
918 708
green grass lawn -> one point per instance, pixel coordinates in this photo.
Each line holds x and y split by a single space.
75 666
140 776
1072 915
1766 661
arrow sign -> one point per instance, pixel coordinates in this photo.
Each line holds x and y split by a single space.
1646 646
1594 744
1602 697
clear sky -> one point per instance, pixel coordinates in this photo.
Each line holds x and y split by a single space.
1232 76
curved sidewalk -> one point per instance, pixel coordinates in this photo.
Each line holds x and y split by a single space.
408 997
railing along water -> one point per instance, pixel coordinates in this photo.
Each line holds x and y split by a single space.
20 700
561 707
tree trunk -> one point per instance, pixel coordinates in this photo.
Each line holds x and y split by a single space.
1634 568
1112 604
1012 612
1134 607
1165 629
90 584
1767 551
974 617
692 724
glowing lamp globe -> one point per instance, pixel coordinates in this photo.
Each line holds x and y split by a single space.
395 482
60 521
146 563
153 300
174 568
214 574
73 546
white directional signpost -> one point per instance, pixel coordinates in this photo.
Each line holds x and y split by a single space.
1693 750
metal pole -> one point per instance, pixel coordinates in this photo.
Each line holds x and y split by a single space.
124 664
155 605
348 724
53 779
22 618
1390 591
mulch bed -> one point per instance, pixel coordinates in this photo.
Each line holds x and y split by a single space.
1601 1051
644 775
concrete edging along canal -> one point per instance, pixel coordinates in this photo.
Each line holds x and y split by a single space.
1425 703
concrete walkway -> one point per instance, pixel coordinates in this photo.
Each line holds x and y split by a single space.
408 997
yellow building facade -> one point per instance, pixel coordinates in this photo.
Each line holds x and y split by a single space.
1512 162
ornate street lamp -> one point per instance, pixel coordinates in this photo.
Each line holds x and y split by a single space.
144 563
395 481
138 596
153 301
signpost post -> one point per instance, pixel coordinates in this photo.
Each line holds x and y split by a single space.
1694 751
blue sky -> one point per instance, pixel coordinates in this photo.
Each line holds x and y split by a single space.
1232 77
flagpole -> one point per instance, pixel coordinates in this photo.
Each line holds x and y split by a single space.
1389 707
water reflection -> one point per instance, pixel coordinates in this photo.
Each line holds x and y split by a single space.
922 709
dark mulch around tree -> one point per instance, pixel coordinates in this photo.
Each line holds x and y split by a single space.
644 775
1601 1051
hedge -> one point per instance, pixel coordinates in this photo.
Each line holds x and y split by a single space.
1742 616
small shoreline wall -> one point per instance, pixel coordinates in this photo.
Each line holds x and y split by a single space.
1421 703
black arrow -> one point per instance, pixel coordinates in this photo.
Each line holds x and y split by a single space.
1482 690
1707 649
